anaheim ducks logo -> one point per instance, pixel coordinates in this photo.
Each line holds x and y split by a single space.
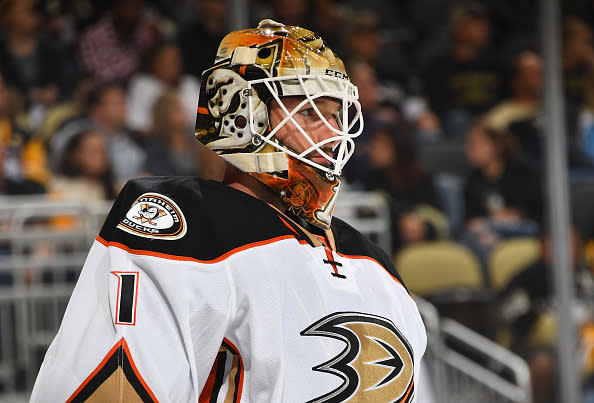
377 363
153 215
298 195
148 213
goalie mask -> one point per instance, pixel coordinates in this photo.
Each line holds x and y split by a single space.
256 68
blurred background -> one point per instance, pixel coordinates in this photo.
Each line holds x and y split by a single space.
449 176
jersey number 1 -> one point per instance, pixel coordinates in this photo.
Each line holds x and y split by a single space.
127 296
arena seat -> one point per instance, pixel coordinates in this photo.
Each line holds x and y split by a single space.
509 257
442 267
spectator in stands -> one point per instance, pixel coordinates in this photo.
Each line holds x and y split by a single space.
381 105
530 137
501 194
84 172
163 73
377 111
364 44
112 49
28 59
526 306
377 103
499 186
465 80
395 170
586 119
526 91
9 185
105 111
200 40
170 150
328 20
292 12
23 164
577 59
68 109
80 14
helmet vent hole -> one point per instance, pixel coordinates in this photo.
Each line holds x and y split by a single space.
241 122
260 124
224 92
243 105
226 123
240 134
264 53
232 130
220 103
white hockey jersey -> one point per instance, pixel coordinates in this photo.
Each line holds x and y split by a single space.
197 292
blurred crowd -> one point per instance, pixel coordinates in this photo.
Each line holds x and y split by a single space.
94 93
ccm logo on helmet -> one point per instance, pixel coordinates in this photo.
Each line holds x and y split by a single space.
339 74
377 363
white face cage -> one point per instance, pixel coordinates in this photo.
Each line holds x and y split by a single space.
311 87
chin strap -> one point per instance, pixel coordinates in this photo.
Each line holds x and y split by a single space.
258 162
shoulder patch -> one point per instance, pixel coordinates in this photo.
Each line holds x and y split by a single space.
153 215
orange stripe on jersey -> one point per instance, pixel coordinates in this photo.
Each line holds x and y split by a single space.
202 110
140 378
102 241
99 367
289 226
206 394
410 387
121 362
323 240
331 259
378 263
191 259
242 70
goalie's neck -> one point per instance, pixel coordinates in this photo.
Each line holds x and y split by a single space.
246 183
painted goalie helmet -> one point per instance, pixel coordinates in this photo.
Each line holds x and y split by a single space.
256 67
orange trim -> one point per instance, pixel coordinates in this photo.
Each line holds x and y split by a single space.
118 297
102 241
99 367
140 378
242 70
206 393
323 240
373 260
202 110
121 343
191 259
331 259
289 226
412 382
236 351
379 264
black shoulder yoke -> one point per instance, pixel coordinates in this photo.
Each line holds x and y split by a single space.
217 217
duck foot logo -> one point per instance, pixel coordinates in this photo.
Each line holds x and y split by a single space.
377 363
